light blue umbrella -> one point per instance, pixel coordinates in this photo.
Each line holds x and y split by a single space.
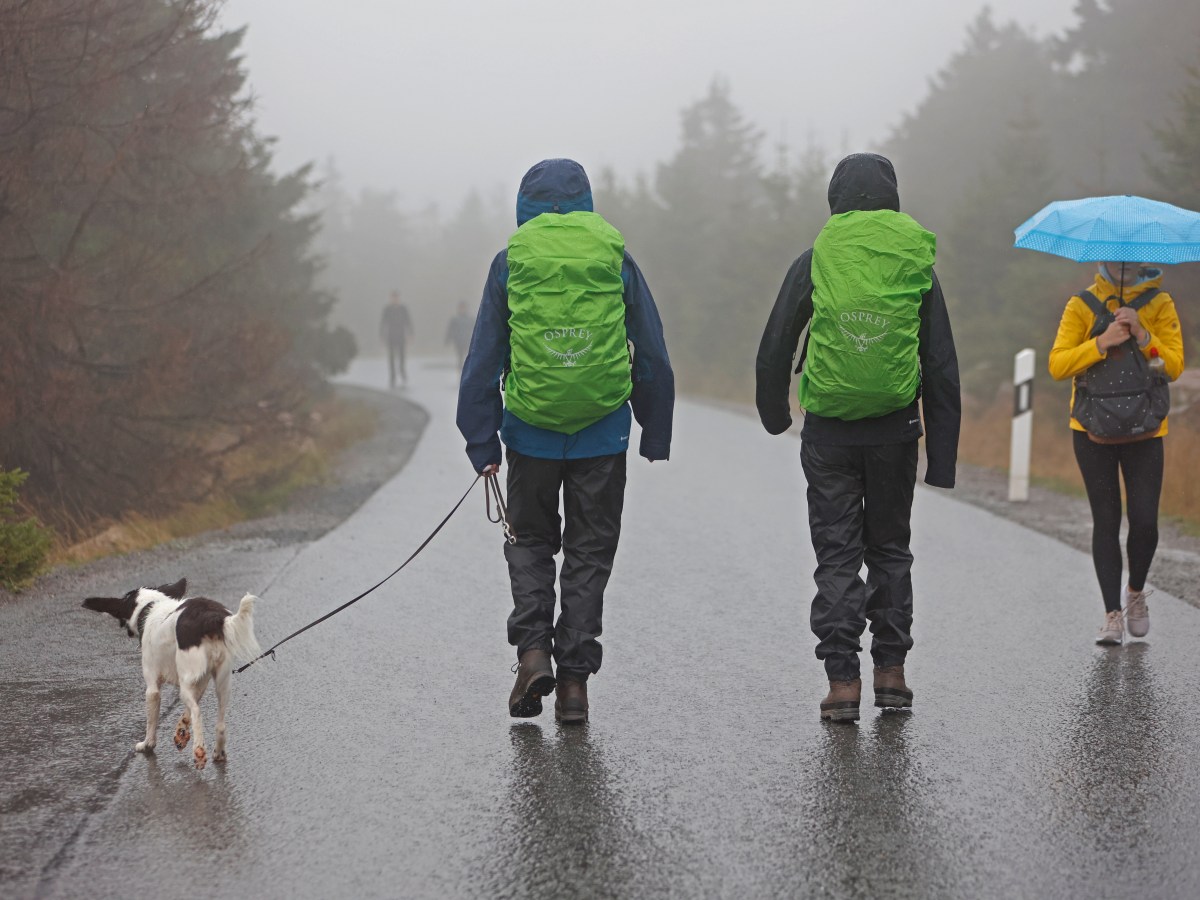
1117 229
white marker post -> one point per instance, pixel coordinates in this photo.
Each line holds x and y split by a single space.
1022 427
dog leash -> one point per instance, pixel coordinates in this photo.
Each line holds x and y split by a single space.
492 487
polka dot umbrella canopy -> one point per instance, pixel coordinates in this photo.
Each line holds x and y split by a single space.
1123 228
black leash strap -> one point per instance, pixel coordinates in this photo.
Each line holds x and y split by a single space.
424 544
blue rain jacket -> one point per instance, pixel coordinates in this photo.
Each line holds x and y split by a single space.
550 187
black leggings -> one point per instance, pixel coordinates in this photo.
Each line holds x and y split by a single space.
1141 464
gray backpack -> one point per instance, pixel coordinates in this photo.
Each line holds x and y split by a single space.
1119 398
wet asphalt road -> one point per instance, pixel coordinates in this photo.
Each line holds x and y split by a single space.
375 757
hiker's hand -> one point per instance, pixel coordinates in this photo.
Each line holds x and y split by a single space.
1114 336
490 470
1130 318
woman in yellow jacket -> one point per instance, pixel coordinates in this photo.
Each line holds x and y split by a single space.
1155 327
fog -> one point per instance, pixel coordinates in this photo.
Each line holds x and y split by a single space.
169 301
430 99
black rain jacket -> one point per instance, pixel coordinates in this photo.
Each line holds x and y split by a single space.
864 181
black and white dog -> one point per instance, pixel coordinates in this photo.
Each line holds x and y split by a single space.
184 642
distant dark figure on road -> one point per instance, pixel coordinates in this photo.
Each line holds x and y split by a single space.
395 327
879 338
562 306
458 333
1124 313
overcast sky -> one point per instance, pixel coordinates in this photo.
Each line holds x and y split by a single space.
431 98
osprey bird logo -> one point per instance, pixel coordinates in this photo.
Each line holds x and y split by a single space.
568 357
861 341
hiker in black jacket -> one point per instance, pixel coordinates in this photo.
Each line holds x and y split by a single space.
861 471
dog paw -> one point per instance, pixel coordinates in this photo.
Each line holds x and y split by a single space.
143 747
201 756
183 734
219 756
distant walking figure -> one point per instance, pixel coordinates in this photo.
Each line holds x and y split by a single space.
879 338
1124 312
561 308
395 327
458 333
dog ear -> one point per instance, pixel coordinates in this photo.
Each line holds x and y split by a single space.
174 591
118 607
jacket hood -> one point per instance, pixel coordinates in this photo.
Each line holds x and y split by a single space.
863 181
553 185
1103 288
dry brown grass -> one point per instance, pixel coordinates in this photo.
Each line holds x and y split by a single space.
257 479
987 432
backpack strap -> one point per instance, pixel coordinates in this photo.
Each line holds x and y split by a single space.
1142 299
1103 316
1093 304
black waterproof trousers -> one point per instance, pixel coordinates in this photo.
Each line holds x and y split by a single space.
593 495
859 509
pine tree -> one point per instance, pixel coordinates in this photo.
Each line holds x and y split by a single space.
942 148
1001 299
159 286
1116 75
24 542
1174 167
713 214
1176 175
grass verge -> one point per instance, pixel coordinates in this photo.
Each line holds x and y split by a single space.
258 480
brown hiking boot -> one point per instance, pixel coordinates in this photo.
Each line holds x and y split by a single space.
890 689
841 703
535 679
571 703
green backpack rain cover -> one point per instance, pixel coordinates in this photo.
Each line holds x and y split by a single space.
869 271
569 361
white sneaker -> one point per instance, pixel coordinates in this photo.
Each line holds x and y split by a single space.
1137 613
1113 631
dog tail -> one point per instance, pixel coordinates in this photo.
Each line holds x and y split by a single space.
239 631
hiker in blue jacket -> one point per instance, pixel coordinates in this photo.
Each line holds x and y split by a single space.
566 427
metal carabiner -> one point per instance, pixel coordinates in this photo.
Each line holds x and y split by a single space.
493 490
